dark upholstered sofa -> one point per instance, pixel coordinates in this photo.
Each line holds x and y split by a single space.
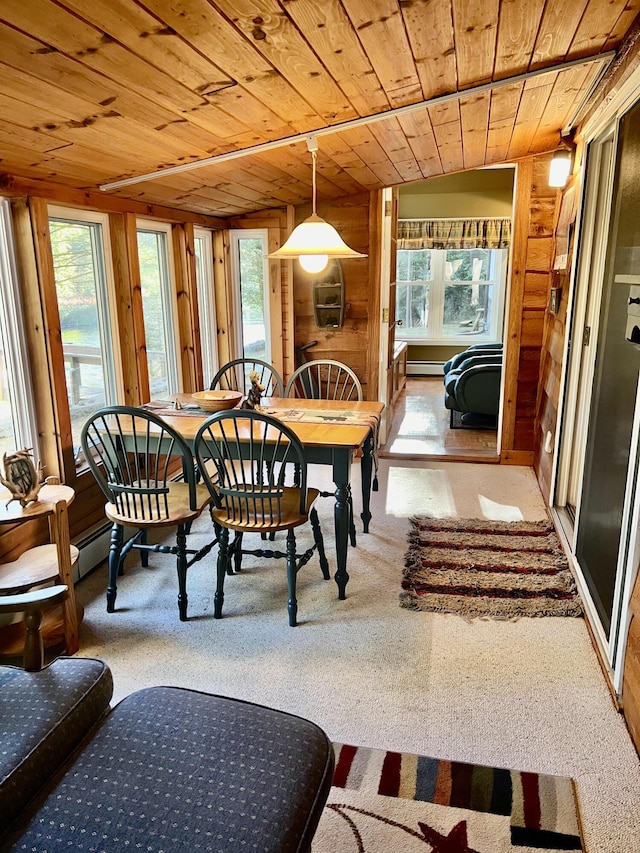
167 769
472 385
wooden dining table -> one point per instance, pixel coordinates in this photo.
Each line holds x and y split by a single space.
332 433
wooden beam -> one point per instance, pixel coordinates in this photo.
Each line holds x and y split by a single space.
224 304
124 276
13 186
516 297
374 319
49 366
139 336
37 349
187 298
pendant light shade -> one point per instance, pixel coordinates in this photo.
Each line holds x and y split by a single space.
560 167
314 241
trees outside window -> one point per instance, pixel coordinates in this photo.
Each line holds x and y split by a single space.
250 273
156 265
83 290
450 295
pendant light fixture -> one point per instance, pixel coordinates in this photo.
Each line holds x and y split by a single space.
314 241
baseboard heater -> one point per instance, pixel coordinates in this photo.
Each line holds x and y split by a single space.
94 548
424 368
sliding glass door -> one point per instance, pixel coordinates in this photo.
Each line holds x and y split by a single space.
597 487
600 544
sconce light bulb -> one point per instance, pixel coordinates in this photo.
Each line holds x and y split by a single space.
560 168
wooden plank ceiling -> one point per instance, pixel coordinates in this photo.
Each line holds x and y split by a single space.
94 91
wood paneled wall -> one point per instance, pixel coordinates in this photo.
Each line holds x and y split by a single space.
532 255
555 330
353 218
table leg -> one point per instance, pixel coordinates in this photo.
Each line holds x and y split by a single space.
366 467
341 476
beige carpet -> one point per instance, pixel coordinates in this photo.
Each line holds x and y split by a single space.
527 695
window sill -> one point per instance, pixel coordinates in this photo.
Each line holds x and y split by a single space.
467 340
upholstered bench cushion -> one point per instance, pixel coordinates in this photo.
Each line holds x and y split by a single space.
175 769
43 717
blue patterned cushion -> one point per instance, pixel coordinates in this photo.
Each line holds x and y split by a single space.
43 717
175 769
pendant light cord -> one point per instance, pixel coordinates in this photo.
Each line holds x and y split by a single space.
312 146
314 155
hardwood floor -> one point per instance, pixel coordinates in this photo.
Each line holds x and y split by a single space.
420 428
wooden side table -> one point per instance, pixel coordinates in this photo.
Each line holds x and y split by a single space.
40 565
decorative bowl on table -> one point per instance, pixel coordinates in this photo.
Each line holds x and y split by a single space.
217 401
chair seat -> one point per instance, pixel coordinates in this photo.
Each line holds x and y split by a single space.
37 565
180 511
261 519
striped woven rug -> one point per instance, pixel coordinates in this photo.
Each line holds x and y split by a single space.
480 568
387 801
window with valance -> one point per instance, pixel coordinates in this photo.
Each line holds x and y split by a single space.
450 279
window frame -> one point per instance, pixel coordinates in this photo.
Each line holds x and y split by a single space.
205 287
235 235
169 298
105 296
13 331
437 284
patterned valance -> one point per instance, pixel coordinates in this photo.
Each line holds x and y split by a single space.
454 233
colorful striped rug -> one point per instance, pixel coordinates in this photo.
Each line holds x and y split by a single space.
496 569
389 801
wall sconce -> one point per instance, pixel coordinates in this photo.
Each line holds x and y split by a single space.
314 241
560 167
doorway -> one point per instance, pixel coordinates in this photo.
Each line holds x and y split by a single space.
448 282
421 427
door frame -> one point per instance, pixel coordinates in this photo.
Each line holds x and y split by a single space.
612 649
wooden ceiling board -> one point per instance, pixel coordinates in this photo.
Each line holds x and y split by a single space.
517 32
502 116
96 91
530 111
557 29
562 100
71 76
448 137
422 140
622 25
275 36
591 36
430 32
338 148
330 34
476 25
199 23
474 122
380 28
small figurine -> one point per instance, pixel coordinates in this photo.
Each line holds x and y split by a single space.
254 396
21 477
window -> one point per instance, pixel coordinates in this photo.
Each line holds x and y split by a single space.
156 265
450 295
83 293
206 303
250 273
17 418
